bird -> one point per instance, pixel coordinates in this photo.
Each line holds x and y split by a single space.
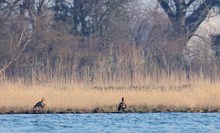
122 105
40 104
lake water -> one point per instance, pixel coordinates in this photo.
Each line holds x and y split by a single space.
131 122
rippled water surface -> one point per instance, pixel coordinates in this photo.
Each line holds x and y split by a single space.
135 122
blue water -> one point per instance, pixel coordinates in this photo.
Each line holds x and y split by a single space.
96 123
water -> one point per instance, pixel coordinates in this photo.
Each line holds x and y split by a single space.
96 123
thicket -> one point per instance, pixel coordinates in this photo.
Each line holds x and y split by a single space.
93 41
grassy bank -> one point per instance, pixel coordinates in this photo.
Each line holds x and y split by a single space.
163 96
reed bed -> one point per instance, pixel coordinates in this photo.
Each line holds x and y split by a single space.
167 95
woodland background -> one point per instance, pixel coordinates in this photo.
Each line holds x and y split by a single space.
105 41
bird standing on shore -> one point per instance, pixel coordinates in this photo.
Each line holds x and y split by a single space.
40 104
122 105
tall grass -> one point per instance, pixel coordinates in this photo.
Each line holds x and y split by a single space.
167 92
88 78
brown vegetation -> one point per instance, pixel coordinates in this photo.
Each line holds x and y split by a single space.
125 43
83 56
164 96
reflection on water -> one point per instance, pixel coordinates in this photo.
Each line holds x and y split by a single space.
135 122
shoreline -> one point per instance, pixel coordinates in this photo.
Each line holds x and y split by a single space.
132 109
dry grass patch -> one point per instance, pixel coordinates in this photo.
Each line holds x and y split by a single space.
197 95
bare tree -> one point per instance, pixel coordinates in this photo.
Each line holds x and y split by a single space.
20 22
87 17
23 41
186 15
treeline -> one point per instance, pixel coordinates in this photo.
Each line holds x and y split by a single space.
87 41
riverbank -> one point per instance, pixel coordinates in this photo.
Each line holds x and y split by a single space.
163 96
111 109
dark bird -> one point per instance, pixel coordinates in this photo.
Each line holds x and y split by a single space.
40 104
122 105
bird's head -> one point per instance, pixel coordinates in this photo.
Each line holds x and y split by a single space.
43 99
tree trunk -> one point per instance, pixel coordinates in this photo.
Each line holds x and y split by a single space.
184 25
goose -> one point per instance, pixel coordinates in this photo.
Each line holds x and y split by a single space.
40 104
122 105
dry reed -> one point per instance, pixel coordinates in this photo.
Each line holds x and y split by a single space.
151 94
